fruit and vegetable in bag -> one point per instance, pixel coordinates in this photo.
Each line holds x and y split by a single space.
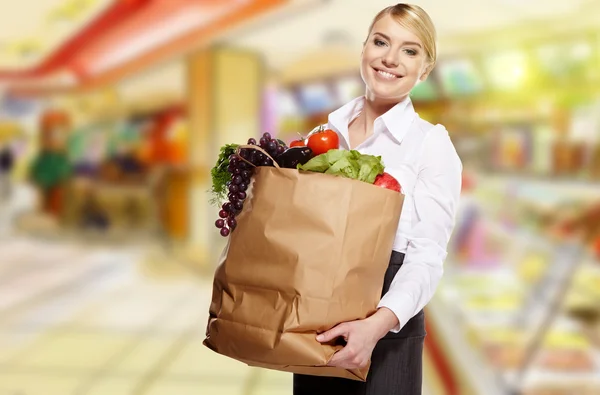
220 174
294 156
385 180
235 166
298 143
232 173
322 141
349 164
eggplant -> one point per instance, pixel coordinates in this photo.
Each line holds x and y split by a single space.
294 156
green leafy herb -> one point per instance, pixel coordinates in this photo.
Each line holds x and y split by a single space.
350 164
219 174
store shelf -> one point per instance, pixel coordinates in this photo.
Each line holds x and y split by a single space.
542 189
504 292
479 377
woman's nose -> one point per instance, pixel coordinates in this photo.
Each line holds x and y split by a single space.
391 59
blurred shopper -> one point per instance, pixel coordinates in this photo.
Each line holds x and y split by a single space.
6 166
51 170
399 52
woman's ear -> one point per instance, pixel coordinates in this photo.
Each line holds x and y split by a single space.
426 72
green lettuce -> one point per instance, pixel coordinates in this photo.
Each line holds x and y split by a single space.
349 164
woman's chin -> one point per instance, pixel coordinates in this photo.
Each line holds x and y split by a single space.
386 95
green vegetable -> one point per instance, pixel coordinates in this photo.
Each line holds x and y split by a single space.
350 164
219 174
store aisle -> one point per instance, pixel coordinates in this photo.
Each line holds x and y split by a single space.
81 320
87 320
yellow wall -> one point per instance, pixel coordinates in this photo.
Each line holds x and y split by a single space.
224 98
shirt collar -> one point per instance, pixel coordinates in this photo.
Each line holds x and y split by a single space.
397 120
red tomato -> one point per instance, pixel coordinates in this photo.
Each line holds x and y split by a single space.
297 143
322 141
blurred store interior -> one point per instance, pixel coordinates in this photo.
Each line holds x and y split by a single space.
112 113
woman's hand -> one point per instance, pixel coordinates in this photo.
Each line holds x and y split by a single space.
361 337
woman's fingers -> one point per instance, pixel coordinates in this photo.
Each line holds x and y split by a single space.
342 357
336 331
357 351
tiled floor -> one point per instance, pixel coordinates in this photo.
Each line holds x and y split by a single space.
84 320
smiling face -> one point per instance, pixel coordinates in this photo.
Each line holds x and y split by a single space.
393 61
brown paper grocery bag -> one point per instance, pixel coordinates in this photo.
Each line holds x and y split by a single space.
310 251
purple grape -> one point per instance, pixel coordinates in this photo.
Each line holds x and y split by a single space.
243 186
236 171
220 223
244 153
271 146
231 168
227 207
267 136
280 150
232 196
234 188
223 213
252 141
242 165
238 205
266 162
236 180
224 232
241 195
246 174
231 222
263 141
260 157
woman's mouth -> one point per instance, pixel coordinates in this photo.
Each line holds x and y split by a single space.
387 76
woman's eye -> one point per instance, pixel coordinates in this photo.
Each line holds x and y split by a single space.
410 52
379 43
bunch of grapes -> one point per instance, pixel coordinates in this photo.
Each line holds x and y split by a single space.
241 173
273 146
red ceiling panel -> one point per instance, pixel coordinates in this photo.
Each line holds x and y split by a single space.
134 33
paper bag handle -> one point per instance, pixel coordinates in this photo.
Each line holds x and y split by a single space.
255 147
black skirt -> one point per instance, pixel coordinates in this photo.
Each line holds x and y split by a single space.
396 362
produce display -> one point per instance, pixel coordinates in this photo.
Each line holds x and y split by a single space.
524 287
319 152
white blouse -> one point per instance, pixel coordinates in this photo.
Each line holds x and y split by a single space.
422 158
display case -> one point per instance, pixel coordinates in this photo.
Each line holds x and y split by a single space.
519 305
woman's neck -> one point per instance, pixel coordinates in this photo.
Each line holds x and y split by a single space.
374 108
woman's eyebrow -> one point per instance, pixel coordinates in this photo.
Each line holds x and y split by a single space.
405 43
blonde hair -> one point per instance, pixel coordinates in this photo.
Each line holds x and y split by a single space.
415 19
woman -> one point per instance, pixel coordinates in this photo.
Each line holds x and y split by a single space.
399 52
